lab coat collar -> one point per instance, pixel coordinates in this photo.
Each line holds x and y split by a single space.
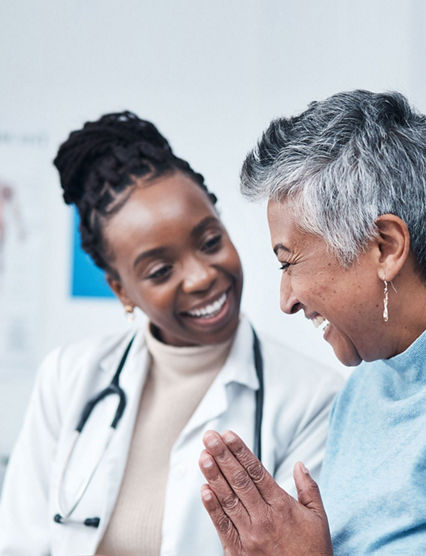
239 368
111 359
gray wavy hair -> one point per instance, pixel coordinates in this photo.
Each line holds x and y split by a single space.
345 161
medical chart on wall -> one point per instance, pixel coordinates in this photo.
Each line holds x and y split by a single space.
23 156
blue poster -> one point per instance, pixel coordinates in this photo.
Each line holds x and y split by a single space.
87 280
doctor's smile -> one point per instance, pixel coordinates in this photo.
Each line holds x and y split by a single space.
186 275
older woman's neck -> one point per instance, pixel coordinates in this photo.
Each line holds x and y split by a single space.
407 309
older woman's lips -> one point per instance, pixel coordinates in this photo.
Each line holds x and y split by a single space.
320 322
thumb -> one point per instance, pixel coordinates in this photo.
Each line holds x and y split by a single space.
307 489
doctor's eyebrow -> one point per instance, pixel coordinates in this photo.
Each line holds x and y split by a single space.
151 253
199 228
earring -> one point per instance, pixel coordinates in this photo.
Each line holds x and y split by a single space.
128 311
385 302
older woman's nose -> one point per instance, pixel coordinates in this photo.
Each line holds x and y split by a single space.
288 301
198 276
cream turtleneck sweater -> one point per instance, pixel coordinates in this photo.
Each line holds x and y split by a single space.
176 382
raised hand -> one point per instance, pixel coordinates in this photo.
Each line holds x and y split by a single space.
252 514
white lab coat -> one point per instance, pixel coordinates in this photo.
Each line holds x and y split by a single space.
298 393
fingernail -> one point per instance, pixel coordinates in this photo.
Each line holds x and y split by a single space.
229 436
211 441
206 494
206 461
304 469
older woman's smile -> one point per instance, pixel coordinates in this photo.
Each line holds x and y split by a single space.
313 280
319 321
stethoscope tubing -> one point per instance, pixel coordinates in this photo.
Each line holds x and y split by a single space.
65 516
114 389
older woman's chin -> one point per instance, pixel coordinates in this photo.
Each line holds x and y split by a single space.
348 359
343 347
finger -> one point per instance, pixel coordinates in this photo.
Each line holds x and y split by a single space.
307 489
265 483
225 528
235 474
227 498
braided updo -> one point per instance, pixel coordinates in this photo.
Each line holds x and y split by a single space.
98 166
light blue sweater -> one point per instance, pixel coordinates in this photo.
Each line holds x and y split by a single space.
373 480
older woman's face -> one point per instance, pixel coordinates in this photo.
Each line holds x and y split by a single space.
314 281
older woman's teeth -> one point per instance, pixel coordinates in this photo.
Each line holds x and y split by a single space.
209 310
320 322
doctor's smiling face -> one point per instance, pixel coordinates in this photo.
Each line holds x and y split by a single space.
343 302
175 261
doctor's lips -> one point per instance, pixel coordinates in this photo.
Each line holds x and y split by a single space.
209 309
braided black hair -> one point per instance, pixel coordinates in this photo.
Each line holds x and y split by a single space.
100 162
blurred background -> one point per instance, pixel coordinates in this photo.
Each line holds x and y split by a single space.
210 75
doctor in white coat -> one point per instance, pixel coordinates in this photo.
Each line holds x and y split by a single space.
148 220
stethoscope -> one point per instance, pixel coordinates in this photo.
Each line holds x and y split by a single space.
114 388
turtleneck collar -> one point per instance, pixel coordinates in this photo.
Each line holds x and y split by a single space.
187 360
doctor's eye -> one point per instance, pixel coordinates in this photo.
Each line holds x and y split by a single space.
160 273
212 244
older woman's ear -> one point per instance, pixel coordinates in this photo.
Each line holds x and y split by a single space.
393 242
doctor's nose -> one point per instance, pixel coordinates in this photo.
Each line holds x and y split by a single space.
288 301
198 276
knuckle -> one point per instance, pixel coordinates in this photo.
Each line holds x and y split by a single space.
229 502
223 524
265 524
241 480
252 543
314 488
256 471
282 506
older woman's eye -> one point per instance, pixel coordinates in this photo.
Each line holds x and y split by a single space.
160 273
284 266
212 243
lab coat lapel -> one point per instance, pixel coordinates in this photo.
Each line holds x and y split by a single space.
132 380
239 368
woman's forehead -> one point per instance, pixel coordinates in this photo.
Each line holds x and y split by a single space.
157 209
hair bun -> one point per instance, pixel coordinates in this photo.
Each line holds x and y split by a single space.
112 133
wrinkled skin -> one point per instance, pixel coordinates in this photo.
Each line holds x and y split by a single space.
253 516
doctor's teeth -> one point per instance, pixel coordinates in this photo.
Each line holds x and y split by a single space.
209 310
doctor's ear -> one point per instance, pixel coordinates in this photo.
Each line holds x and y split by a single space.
117 288
394 245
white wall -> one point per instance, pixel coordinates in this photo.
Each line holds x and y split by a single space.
211 75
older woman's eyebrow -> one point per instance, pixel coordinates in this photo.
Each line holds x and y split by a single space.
280 247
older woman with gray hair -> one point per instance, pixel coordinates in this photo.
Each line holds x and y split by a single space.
346 189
